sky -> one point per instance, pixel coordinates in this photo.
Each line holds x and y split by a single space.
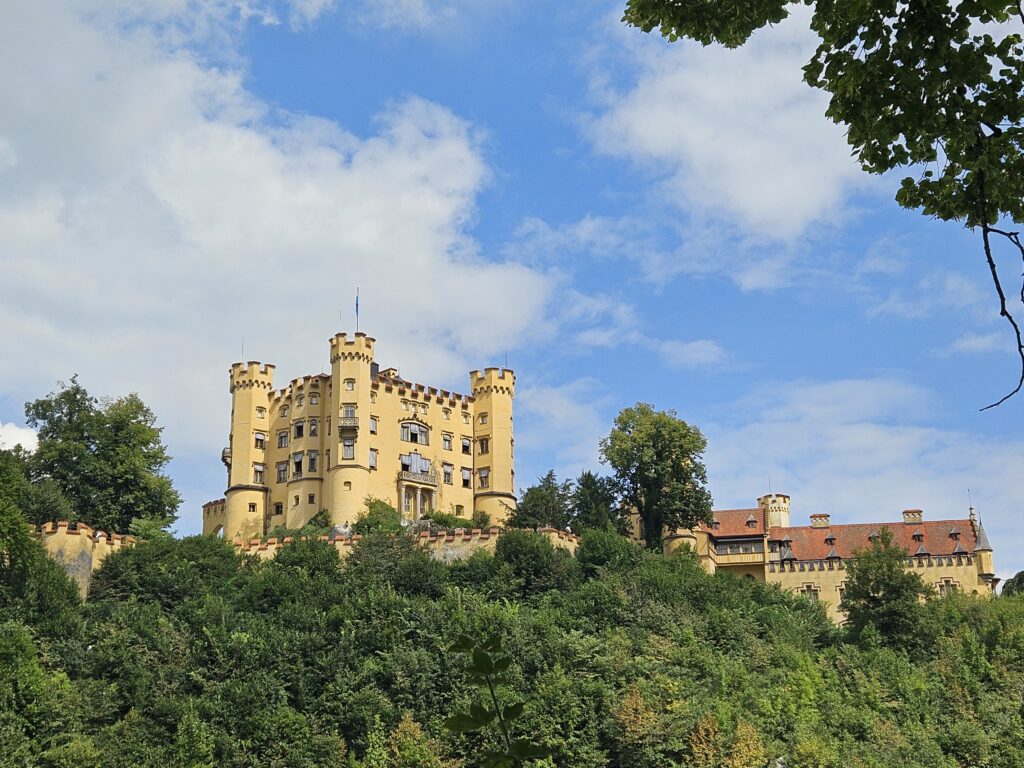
620 218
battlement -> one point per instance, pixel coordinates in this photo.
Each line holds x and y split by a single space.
252 374
80 549
447 546
493 380
358 347
419 391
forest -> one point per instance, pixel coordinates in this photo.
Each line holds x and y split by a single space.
188 654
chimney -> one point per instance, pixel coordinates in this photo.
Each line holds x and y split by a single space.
820 520
912 516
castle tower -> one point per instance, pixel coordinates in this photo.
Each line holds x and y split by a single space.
493 459
348 477
246 455
775 508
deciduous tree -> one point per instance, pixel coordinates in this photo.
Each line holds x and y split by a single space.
936 88
659 472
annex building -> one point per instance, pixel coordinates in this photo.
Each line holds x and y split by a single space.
330 441
760 543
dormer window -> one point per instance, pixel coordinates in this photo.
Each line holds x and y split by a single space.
751 522
917 535
830 539
954 534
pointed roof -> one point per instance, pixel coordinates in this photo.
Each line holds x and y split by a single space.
959 549
981 544
921 551
832 554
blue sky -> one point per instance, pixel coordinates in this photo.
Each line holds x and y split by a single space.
625 219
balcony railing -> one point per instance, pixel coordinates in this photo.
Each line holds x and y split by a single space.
418 477
348 422
225 456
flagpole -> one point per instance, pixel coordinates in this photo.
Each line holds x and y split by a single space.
357 309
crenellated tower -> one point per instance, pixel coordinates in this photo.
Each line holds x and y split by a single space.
494 460
348 476
775 508
251 386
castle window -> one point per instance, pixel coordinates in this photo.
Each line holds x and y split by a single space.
483 418
284 410
810 591
484 444
299 400
349 411
296 466
313 426
282 439
447 469
312 461
278 508
314 398
373 397
414 433
258 473
446 441
446 414
465 417
373 425
466 446
948 587
295 500
467 478
261 412
350 384
348 449
282 471
327 458
405 405
485 478
260 440
252 507
373 458
311 498
298 429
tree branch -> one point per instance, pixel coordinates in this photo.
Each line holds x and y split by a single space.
1003 311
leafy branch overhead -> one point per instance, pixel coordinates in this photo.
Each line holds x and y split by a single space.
930 86
488 666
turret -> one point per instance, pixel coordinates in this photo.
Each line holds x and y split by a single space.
251 385
494 454
348 477
775 508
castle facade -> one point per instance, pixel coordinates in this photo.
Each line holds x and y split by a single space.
330 441
760 543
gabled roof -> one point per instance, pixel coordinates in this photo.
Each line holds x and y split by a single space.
807 543
734 522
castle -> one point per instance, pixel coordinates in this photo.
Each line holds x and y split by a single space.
329 442
759 543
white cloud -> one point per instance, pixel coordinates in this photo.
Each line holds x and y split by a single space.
976 343
937 293
562 423
691 354
734 135
12 435
858 450
159 213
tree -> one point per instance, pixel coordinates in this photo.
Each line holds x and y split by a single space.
934 86
594 503
658 469
379 517
105 457
543 504
1014 585
882 594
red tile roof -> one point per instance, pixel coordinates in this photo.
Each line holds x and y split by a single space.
734 522
809 543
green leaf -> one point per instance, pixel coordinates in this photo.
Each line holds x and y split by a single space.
482 662
461 723
512 711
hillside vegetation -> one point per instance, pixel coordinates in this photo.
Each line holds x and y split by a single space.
188 655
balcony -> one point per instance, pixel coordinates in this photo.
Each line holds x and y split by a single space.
348 422
417 477
225 456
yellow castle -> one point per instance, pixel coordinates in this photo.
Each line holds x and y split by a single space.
331 441
760 543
